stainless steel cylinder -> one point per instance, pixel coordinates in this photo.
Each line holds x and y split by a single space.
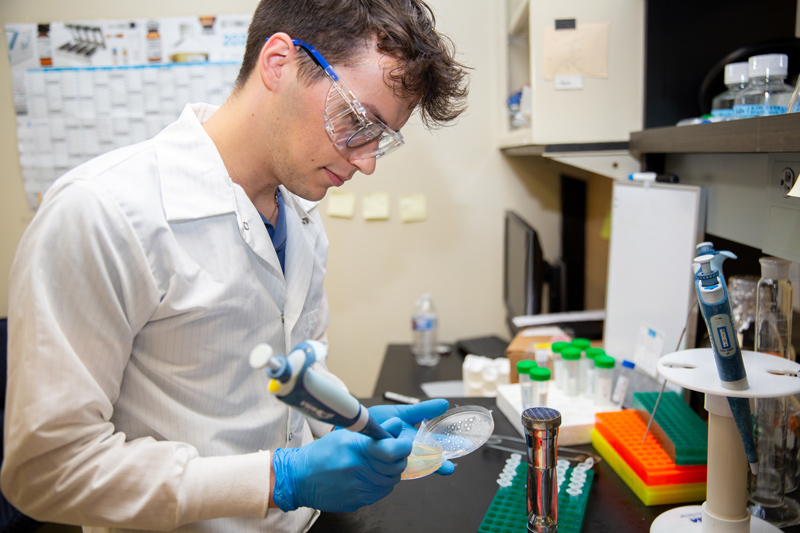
541 433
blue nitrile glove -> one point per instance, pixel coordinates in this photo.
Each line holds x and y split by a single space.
411 415
340 472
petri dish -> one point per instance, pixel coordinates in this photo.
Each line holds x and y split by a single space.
456 433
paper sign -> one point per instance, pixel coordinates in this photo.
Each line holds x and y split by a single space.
648 349
583 51
795 189
376 206
341 204
413 208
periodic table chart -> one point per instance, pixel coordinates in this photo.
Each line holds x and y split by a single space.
81 89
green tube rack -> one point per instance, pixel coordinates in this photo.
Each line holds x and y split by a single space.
508 510
679 430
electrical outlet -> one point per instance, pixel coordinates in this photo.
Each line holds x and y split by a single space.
783 211
787 180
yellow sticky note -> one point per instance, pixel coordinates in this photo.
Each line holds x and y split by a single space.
413 208
375 206
605 231
341 204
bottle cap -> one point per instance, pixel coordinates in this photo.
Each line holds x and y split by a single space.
591 353
559 346
524 367
458 432
571 353
628 364
736 73
540 374
581 343
774 268
768 65
604 361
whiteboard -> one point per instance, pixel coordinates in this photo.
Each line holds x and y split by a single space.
654 230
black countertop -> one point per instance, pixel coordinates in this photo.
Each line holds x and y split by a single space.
459 502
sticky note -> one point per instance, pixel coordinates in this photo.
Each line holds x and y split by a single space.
375 206
341 204
413 208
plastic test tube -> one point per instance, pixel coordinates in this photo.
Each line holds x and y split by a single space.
526 386
559 365
583 362
624 379
540 379
591 353
604 370
571 356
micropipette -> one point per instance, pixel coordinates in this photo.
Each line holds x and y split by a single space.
295 383
703 248
715 306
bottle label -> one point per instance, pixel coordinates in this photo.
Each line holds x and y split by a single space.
423 323
758 110
153 49
722 113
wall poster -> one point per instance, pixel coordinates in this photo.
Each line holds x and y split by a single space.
83 88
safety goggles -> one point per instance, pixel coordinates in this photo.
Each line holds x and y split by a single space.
355 132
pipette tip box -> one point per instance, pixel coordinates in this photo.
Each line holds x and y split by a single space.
679 430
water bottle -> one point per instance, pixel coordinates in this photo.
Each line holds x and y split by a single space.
736 79
424 324
766 93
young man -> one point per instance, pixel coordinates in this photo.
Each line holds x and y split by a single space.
149 274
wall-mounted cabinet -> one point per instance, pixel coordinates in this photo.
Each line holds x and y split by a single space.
584 62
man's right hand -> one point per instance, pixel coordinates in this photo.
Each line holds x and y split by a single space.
340 472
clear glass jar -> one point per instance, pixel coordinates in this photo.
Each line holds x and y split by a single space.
766 93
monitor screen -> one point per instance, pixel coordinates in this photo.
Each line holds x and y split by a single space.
524 268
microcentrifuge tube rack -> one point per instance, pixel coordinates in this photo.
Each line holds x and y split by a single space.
508 511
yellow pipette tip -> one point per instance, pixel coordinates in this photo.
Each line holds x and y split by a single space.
274 386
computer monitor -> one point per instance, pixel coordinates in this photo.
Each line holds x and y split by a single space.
526 272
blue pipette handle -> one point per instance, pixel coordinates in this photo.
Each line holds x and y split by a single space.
712 295
295 383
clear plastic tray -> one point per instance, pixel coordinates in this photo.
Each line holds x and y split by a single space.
458 432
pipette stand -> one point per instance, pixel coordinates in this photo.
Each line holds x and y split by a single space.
725 508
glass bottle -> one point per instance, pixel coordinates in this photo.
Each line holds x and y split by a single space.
767 491
44 45
766 93
153 42
736 81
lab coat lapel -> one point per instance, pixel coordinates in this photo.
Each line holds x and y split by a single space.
303 233
255 234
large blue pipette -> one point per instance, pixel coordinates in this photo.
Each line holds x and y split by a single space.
295 383
712 295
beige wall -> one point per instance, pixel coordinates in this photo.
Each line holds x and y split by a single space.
377 269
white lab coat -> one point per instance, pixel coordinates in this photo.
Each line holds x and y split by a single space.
136 295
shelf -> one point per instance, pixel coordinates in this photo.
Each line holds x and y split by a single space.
779 133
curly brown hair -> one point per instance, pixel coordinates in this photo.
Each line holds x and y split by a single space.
404 29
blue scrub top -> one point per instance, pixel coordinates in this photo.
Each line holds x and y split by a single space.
278 232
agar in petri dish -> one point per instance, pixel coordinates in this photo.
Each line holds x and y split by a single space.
424 460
